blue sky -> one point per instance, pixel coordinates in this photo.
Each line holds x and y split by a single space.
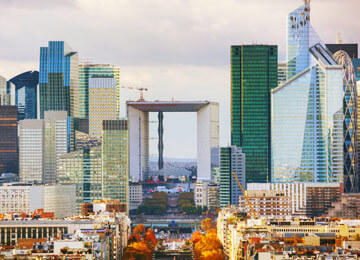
178 48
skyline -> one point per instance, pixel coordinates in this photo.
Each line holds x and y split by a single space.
187 45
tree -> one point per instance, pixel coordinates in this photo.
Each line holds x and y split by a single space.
150 238
207 224
357 237
139 230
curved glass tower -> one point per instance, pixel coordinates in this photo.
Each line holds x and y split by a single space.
351 175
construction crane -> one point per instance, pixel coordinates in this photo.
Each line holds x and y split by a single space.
252 209
139 89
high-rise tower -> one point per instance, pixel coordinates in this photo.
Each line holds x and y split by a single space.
253 75
58 79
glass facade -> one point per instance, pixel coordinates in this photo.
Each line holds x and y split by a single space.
86 72
115 160
84 169
58 78
307 110
253 75
9 160
232 159
26 94
350 101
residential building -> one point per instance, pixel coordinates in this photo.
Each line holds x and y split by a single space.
307 199
347 206
102 102
213 197
84 169
86 72
57 138
254 73
307 110
232 159
26 84
32 150
9 157
266 203
59 79
135 195
115 160
200 193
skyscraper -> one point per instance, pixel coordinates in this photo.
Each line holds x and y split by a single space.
9 160
253 75
32 150
115 160
307 110
86 72
57 138
58 79
102 102
26 94
232 159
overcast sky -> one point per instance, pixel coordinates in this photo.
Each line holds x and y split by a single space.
177 48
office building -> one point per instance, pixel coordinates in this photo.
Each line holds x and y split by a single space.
307 199
59 79
307 109
282 70
253 75
7 92
207 135
102 102
115 160
32 150
57 138
26 85
17 197
9 160
86 72
232 159
84 169
135 195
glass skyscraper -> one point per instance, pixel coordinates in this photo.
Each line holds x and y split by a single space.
86 72
253 75
307 110
115 160
59 78
26 94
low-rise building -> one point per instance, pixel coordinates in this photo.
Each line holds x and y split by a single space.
206 194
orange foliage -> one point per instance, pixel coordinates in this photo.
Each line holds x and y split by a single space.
196 237
140 230
150 238
207 246
207 224
214 254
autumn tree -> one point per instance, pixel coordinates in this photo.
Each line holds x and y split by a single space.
207 224
139 230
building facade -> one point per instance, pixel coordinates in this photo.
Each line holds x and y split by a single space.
84 169
9 156
26 94
115 160
253 75
32 150
86 72
57 138
59 79
135 195
232 159
307 109
102 102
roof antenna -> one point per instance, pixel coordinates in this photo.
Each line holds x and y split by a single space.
339 40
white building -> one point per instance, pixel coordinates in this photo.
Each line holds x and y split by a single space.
17 197
135 195
206 194
207 134
32 150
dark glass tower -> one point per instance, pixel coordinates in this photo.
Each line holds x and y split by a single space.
9 161
59 78
26 94
253 75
